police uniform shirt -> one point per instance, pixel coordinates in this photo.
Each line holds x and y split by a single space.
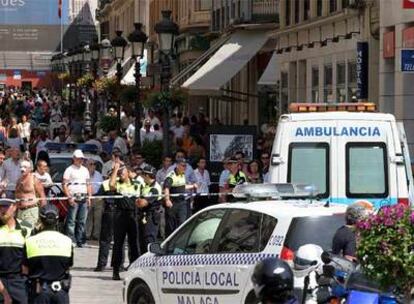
237 179
155 192
176 184
130 191
48 255
11 248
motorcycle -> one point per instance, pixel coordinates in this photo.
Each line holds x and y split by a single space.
343 282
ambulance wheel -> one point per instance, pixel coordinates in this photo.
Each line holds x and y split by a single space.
140 294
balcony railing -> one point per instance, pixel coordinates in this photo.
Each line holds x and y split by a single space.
265 11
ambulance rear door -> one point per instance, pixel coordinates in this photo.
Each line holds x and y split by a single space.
304 154
366 162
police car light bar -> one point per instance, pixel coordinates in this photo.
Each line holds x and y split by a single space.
275 191
331 107
68 147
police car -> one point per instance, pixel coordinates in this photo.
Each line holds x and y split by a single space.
210 258
346 150
61 156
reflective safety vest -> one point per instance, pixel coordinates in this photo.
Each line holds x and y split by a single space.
237 179
105 185
12 242
48 243
147 189
177 180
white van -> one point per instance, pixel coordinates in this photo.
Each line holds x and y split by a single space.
347 155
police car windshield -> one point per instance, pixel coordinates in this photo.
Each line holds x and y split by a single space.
58 166
309 164
317 230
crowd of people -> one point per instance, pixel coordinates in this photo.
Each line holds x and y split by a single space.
128 199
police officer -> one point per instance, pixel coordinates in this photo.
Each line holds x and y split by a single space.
176 208
150 209
48 257
273 282
13 234
236 177
125 216
107 227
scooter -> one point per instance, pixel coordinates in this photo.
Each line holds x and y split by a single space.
343 282
363 291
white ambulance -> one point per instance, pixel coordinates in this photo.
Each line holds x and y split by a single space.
348 152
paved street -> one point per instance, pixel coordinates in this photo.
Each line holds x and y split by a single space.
90 287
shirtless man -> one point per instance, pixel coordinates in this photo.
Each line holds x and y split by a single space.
28 189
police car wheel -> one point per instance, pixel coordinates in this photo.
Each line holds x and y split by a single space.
251 298
140 294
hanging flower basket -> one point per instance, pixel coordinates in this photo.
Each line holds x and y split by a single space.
86 80
166 100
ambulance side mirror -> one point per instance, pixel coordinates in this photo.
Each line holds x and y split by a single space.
276 160
155 248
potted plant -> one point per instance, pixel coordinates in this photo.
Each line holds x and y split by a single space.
386 248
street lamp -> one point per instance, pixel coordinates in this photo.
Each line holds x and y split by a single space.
137 39
86 59
105 54
167 30
95 52
118 45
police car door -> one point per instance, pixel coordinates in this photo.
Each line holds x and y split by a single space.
181 271
239 245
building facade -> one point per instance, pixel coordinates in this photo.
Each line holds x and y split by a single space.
222 81
316 54
396 93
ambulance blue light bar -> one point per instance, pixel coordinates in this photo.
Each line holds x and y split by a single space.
275 191
332 107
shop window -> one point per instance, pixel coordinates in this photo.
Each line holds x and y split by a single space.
297 11
340 82
306 12
287 12
315 84
202 5
328 96
332 6
352 82
319 7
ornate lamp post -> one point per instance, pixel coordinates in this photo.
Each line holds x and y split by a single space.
95 52
138 39
86 59
105 56
118 44
167 30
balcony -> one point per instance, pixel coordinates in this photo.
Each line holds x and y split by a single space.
102 3
265 11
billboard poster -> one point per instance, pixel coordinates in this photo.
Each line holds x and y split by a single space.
39 25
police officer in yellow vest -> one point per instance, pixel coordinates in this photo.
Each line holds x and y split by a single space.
176 208
125 216
236 177
150 209
13 234
48 258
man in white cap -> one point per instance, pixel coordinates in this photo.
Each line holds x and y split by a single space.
77 188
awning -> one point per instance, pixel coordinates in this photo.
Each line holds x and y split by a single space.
226 63
269 75
129 78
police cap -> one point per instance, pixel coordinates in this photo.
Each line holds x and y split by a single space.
149 170
49 214
6 202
